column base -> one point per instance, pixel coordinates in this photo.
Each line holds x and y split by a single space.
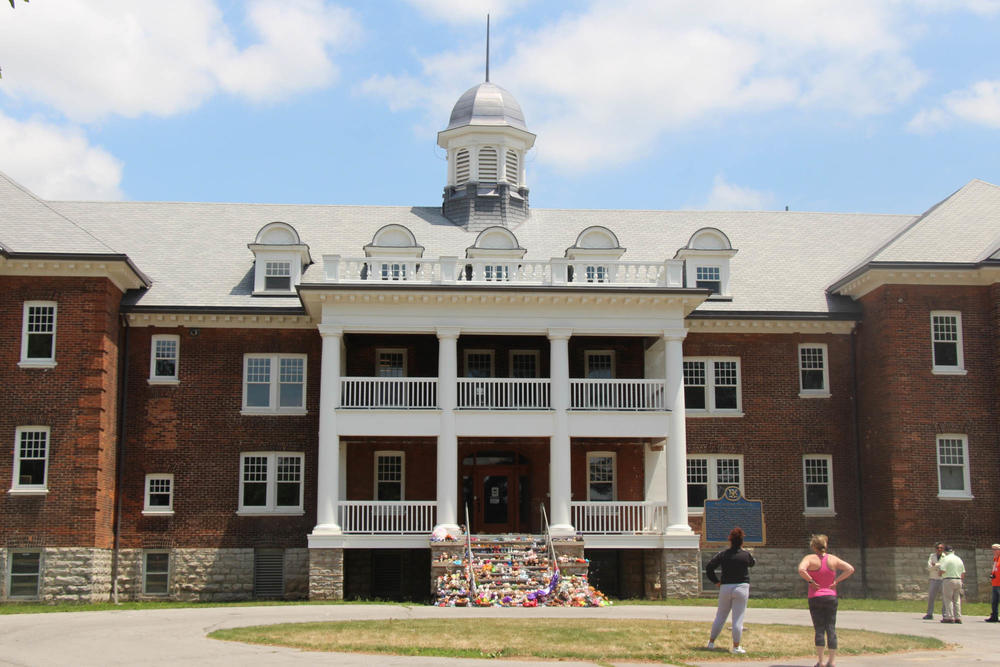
562 530
679 529
442 529
327 529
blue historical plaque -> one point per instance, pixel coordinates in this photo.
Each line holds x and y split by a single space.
732 510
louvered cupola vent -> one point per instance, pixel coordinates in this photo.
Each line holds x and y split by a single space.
487 165
462 167
511 167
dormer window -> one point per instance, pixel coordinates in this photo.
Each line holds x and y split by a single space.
280 258
593 255
706 261
497 254
393 254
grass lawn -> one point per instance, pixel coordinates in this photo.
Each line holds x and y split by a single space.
597 640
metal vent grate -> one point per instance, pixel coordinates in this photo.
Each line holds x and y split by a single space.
269 573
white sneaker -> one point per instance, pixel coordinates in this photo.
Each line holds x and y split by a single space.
710 646
738 649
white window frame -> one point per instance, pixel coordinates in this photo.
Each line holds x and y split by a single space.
270 506
524 353
278 268
274 382
38 362
717 269
614 474
389 350
829 510
146 572
954 494
959 367
490 353
588 354
710 410
823 392
402 472
10 573
154 356
16 487
712 469
264 257
158 510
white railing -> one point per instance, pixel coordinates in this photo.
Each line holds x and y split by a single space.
387 517
479 272
619 517
388 392
503 393
588 394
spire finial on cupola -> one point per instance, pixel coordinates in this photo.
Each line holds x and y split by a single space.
487 48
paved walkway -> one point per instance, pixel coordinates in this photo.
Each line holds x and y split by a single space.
178 635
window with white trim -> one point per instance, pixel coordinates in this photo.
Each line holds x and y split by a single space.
817 479
524 363
38 334
709 277
31 459
496 273
159 494
25 574
712 385
163 358
600 364
271 483
389 475
479 363
390 363
277 276
597 273
393 271
274 383
601 476
946 342
814 378
708 477
156 573
953 466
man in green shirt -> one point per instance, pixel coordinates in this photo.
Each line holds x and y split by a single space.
952 575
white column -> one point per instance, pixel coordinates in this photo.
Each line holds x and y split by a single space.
560 491
677 517
447 442
328 462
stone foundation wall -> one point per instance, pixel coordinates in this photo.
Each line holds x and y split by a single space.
776 573
68 574
326 574
680 578
900 573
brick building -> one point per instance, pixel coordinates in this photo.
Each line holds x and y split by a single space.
218 401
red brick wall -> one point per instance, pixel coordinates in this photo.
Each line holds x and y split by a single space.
76 399
629 355
420 456
630 476
195 431
778 428
904 406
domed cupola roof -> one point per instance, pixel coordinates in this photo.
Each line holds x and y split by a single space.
487 104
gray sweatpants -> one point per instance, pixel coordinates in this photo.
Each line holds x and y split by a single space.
732 597
933 591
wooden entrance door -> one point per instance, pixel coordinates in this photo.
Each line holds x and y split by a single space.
496 492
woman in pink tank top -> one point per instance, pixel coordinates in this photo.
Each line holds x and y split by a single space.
823 572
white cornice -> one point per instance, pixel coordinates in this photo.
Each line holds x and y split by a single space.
782 326
117 271
221 320
877 277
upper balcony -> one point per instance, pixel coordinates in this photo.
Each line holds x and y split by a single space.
507 272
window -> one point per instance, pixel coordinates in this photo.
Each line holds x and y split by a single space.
709 277
274 383
813 377
156 573
277 276
946 338
712 385
597 274
164 353
38 336
953 466
600 364
391 363
497 273
479 363
524 363
271 483
389 475
393 271
31 458
159 494
25 574
708 477
600 476
817 476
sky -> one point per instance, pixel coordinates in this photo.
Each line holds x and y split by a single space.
881 106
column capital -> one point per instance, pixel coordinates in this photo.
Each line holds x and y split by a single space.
675 334
448 332
330 330
559 334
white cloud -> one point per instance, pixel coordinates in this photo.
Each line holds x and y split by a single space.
93 58
981 7
57 162
601 85
467 11
979 104
728 197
